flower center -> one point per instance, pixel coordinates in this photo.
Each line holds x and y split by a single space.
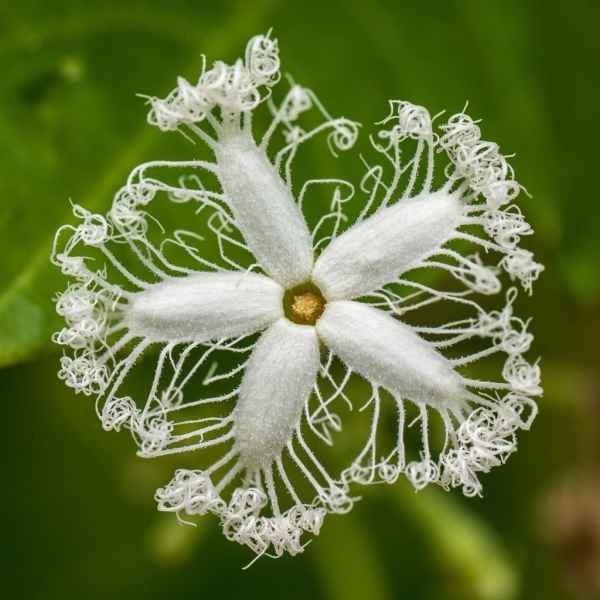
304 304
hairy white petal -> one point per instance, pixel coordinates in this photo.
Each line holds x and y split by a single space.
393 240
205 306
390 354
278 380
265 210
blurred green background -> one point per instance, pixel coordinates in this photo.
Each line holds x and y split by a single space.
77 514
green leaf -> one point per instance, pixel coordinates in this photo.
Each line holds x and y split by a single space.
72 127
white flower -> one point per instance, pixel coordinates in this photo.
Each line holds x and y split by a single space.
330 306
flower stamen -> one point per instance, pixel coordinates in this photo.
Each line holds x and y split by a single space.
304 304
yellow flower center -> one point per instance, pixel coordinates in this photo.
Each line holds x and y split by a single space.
304 304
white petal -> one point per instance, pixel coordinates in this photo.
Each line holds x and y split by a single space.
390 354
264 210
205 306
390 242
278 380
